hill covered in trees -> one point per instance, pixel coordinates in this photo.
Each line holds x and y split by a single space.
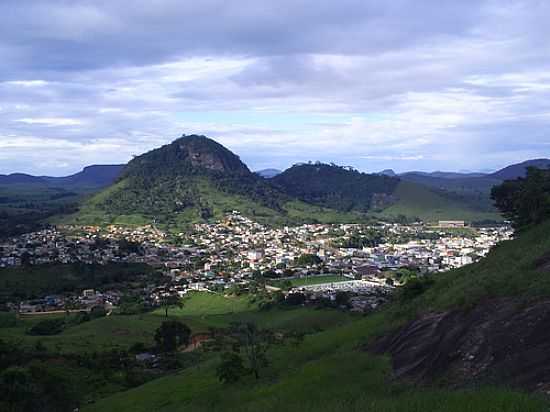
195 179
471 339
337 187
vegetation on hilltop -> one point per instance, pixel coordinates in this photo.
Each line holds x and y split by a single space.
525 201
195 179
32 281
414 200
331 372
336 187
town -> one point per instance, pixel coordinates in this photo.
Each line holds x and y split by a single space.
317 260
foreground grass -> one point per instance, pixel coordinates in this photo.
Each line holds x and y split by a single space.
510 269
201 311
327 372
330 371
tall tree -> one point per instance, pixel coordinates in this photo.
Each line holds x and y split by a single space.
172 334
247 342
524 201
170 301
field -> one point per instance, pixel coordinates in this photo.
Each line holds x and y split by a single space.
200 312
418 201
312 280
328 372
31 281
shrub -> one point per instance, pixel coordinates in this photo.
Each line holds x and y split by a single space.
7 320
47 327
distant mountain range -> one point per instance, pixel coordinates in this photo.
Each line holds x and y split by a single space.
510 172
268 173
196 179
96 176
472 188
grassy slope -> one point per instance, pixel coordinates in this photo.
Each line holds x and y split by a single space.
326 373
419 201
329 373
313 280
91 213
510 269
46 279
220 203
201 311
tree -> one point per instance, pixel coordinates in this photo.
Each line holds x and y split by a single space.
341 298
247 341
172 334
47 327
295 299
231 369
16 389
170 301
524 201
308 260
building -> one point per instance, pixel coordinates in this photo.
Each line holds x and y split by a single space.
451 223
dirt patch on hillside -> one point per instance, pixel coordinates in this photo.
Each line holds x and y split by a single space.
504 341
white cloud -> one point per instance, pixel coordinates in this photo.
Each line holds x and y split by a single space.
51 121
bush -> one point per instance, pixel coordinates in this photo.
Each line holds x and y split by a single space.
415 287
7 320
47 327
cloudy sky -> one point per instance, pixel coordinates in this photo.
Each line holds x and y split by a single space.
408 85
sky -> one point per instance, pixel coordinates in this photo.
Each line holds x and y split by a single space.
401 84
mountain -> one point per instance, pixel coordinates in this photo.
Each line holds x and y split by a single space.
196 179
388 172
26 201
268 173
520 169
95 176
445 175
20 178
346 189
470 339
337 187
471 188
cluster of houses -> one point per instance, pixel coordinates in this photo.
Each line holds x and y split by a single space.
236 250
88 301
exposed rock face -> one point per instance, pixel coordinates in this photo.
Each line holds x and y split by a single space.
203 152
505 341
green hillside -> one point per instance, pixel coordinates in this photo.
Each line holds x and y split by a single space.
337 187
335 368
415 200
195 179
330 371
207 197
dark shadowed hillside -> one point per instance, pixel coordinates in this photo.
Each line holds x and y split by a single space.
195 179
337 187
485 323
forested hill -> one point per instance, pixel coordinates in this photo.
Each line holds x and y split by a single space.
195 179
192 178
337 187
188 155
